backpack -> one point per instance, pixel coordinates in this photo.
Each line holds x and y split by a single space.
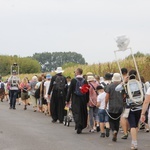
37 92
135 92
1 85
60 83
14 81
79 84
104 85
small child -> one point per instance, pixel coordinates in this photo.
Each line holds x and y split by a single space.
103 116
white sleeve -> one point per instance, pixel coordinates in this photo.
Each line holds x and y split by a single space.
119 87
148 91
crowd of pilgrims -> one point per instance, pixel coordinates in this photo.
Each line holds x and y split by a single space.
100 109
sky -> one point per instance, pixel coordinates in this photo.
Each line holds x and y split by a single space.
88 27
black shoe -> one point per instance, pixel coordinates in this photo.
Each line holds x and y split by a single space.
97 128
114 136
79 131
53 121
14 108
107 132
102 135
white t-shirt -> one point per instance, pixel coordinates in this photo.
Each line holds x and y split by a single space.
101 99
46 85
148 91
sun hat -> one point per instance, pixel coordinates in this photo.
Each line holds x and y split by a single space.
48 76
90 78
59 70
116 77
89 74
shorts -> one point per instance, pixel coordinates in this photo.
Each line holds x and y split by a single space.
134 117
103 116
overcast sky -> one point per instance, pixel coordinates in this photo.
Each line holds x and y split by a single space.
88 27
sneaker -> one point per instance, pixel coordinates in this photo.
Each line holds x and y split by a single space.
102 135
147 130
125 136
134 147
107 132
114 136
92 130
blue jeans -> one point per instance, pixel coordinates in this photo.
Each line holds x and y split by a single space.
93 113
103 116
13 96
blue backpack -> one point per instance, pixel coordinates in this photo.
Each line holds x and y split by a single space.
79 84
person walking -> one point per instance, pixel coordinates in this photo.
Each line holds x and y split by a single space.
134 109
93 110
32 89
103 116
145 107
57 92
78 100
46 88
24 86
13 83
2 89
115 107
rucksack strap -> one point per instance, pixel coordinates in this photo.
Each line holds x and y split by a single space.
93 88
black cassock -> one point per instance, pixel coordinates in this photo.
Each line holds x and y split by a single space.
79 105
57 102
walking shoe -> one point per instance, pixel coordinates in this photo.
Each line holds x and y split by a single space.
125 136
134 147
97 128
107 132
102 135
53 121
92 130
114 136
147 130
79 131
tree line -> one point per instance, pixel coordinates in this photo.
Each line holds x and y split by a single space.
40 62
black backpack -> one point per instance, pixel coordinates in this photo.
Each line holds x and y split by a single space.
79 84
37 92
59 83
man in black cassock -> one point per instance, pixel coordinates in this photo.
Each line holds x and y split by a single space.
79 103
58 96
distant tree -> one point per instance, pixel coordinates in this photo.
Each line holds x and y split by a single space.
138 54
26 64
50 61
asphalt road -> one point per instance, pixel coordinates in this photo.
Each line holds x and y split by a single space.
27 130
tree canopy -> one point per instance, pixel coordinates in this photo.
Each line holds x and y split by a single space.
50 61
26 65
